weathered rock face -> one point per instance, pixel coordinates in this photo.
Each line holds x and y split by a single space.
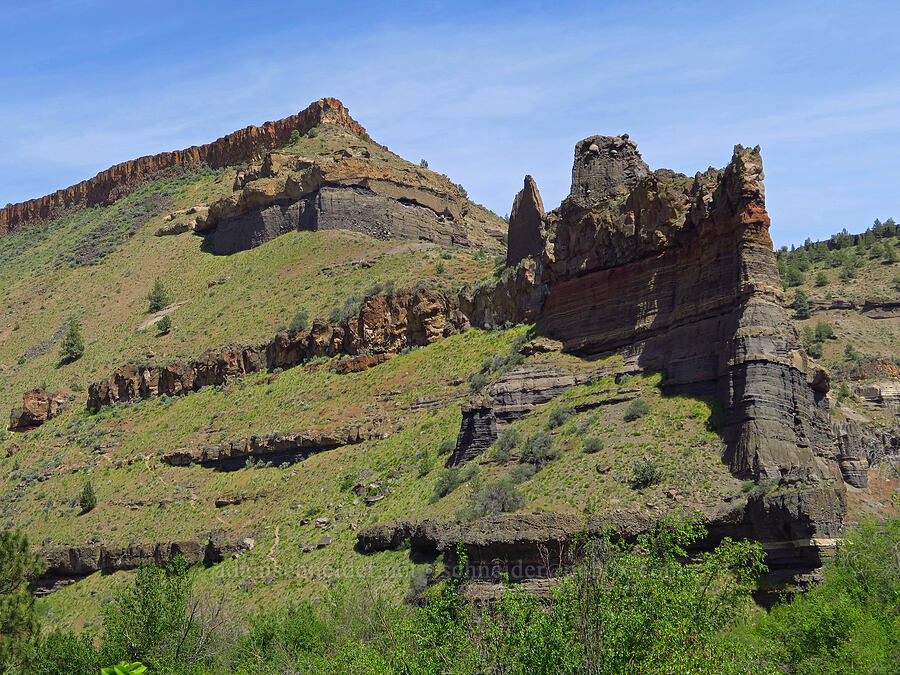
73 562
862 446
679 275
38 406
345 191
385 325
477 432
276 448
798 530
245 145
605 168
526 224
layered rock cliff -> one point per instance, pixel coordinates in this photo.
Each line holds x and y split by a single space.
242 146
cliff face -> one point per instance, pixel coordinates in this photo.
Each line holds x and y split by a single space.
679 275
245 145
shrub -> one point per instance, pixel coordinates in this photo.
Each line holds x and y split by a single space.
521 472
636 409
439 267
593 444
477 381
851 353
299 322
72 346
824 331
312 133
539 451
295 136
498 497
794 276
426 464
447 446
559 416
158 297
164 325
821 279
423 163
447 481
87 499
646 472
504 445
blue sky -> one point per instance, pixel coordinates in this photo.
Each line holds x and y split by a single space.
486 92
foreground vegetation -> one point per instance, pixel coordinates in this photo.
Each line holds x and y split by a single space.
626 608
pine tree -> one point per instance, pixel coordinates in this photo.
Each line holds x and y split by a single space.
821 279
801 304
158 297
72 346
18 624
88 498
890 253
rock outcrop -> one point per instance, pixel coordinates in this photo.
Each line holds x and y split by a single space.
385 325
526 225
245 145
275 448
38 406
65 564
347 190
862 446
798 530
605 168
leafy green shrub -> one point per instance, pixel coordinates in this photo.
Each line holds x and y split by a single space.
559 416
521 472
636 409
505 443
824 331
158 298
539 451
295 136
299 322
72 346
313 133
477 381
593 444
646 472
497 497
164 325
125 668
447 481
447 446
821 279
87 499
426 464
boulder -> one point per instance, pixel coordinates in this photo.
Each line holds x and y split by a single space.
38 406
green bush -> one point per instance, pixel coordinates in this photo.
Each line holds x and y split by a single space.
498 497
521 472
593 444
87 499
72 346
447 481
164 325
295 136
299 322
821 279
158 298
447 446
636 409
505 443
824 331
477 381
646 472
559 416
539 451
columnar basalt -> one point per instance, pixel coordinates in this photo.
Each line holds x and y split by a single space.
245 145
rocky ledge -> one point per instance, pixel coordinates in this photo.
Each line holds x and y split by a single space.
246 145
65 564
